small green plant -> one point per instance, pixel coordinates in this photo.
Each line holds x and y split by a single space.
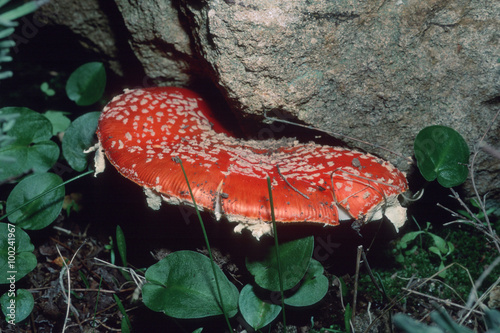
111 248
331 329
187 284
28 151
442 154
302 279
480 215
47 90
438 246
177 285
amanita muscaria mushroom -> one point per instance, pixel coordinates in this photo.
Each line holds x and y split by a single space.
144 131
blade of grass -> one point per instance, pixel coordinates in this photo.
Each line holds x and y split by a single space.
125 318
84 279
121 245
178 160
275 234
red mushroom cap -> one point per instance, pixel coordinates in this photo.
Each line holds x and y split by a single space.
142 131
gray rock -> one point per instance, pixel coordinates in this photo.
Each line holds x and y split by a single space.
159 40
91 23
378 71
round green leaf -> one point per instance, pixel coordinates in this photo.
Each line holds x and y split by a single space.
312 289
442 153
44 87
30 148
256 312
17 306
78 137
58 120
86 84
41 212
294 258
182 285
14 239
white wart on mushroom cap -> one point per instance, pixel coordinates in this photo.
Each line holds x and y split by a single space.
143 131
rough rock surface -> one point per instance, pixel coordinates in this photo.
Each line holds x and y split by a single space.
375 70
159 40
92 24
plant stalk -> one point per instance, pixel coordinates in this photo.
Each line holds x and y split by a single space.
208 246
275 234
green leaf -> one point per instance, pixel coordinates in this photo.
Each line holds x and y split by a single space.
21 10
407 238
24 261
17 305
312 289
182 285
31 148
465 213
256 312
451 247
125 324
39 213
441 268
440 243
411 251
435 250
198 330
442 153
58 120
474 203
78 137
121 244
295 257
45 88
86 84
